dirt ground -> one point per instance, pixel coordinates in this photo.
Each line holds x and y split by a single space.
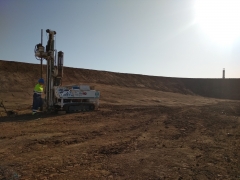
137 133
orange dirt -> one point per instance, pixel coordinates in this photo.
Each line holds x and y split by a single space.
146 128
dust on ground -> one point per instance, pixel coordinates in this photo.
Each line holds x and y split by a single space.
136 141
146 128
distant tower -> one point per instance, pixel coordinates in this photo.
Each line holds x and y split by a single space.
223 73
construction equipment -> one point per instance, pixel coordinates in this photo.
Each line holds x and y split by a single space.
10 113
63 98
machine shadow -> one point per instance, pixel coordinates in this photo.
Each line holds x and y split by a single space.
28 117
36 117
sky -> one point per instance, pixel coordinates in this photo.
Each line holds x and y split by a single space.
171 38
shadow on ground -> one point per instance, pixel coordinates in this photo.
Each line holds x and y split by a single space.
28 117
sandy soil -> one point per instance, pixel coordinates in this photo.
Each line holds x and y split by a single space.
135 134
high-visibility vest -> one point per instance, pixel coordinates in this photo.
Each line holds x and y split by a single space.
38 89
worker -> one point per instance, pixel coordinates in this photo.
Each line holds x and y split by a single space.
37 98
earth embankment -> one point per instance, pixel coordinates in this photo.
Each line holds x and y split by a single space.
21 77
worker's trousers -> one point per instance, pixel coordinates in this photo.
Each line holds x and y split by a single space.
37 102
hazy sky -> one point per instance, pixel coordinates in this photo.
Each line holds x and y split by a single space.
173 38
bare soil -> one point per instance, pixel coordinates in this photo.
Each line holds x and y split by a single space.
139 132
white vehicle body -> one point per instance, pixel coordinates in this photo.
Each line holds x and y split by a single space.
76 95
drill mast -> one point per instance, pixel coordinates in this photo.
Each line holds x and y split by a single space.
54 72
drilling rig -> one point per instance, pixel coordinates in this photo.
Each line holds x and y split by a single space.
70 98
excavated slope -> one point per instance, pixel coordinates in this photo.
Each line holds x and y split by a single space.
21 77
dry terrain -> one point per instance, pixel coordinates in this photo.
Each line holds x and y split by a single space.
146 128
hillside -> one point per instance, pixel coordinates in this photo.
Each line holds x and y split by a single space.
146 127
21 77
